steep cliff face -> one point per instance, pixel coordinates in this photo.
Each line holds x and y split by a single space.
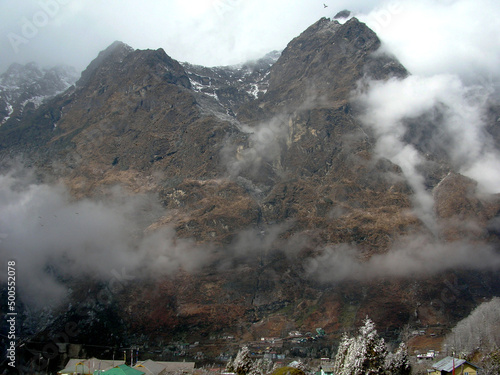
269 169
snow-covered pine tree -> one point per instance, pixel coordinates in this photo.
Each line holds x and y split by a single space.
230 365
243 363
364 354
257 368
261 367
339 363
373 347
353 362
399 362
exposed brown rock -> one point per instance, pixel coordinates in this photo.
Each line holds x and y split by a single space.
461 211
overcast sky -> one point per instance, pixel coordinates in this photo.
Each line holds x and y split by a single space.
434 34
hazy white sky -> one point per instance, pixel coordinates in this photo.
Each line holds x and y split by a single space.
431 33
208 32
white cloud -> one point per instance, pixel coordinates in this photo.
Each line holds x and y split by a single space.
452 50
486 169
461 134
416 256
434 37
50 235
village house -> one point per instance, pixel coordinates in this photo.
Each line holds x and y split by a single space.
88 366
150 367
121 370
325 370
448 364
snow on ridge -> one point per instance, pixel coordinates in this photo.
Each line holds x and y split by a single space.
254 91
10 110
36 100
197 86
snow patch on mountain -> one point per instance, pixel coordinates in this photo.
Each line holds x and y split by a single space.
23 85
233 85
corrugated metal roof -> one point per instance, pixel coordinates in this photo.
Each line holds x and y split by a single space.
446 364
123 370
150 367
88 366
176 367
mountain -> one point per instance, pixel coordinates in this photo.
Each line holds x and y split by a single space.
24 87
273 189
236 85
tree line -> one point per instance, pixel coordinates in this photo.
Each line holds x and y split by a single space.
365 353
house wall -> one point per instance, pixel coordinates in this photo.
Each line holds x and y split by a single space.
466 368
461 370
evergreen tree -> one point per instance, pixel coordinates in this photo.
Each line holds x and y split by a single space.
243 363
261 367
230 365
354 358
399 362
365 354
256 368
342 351
373 349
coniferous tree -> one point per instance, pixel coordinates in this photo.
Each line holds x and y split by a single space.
230 365
365 354
243 363
354 358
342 351
373 349
261 367
399 362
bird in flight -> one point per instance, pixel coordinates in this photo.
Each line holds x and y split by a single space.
325 6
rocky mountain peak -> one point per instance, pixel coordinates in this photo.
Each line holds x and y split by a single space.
114 53
18 74
326 61
25 87
121 59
